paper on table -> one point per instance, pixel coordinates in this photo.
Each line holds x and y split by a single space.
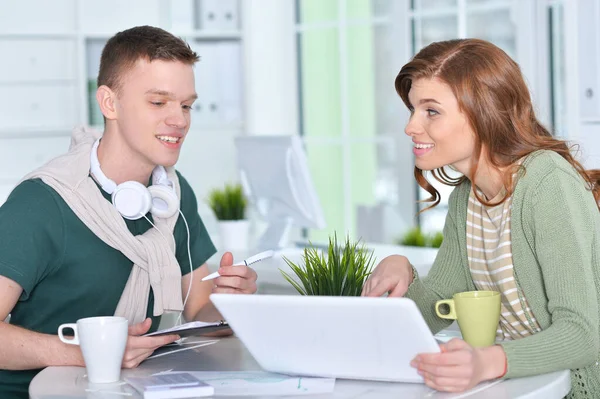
170 349
447 335
248 383
192 328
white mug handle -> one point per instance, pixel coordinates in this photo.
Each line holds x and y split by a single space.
72 341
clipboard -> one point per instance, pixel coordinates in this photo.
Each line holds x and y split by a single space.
191 329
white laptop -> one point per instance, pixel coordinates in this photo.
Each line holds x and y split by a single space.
341 337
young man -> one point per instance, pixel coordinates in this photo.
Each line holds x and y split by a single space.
59 264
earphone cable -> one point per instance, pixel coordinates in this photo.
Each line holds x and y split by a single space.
178 321
187 295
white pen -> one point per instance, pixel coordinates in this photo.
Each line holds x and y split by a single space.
247 262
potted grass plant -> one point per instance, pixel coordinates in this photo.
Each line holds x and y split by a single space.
416 238
420 247
342 271
229 206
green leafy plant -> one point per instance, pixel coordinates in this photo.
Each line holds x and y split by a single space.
228 203
342 273
416 238
435 240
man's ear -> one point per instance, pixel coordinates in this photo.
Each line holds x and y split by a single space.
107 101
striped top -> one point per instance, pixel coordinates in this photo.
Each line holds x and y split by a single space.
490 261
555 241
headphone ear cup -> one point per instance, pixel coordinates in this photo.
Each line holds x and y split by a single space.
132 199
164 201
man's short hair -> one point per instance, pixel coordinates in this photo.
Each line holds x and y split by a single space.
125 48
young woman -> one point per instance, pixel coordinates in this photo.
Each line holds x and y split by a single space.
523 220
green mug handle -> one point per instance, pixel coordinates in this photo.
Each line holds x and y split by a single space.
451 315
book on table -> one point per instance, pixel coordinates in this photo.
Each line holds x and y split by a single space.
172 385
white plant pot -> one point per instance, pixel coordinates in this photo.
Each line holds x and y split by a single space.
234 234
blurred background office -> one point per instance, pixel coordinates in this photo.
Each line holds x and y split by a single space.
320 69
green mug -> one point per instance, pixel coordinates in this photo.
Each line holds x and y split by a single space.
477 313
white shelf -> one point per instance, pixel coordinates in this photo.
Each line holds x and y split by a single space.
65 55
591 121
208 35
39 82
97 35
38 35
36 132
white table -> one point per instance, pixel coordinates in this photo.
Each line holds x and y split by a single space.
229 354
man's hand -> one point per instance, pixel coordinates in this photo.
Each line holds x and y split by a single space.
393 275
460 366
234 279
139 348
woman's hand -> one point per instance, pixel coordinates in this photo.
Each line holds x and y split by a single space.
139 348
393 275
459 366
234 279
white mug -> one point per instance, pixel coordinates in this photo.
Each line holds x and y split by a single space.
102 341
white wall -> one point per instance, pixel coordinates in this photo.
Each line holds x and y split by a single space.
582 65
270 67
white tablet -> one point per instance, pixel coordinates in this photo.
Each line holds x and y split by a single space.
341 337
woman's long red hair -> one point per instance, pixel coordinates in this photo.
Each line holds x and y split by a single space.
492 93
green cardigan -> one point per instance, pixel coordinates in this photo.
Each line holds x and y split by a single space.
555 232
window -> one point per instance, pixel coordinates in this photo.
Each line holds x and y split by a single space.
352 120
506 23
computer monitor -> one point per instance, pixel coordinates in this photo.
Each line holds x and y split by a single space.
275 178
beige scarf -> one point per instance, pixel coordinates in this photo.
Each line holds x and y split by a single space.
154 264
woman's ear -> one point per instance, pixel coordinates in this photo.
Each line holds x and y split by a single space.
106 100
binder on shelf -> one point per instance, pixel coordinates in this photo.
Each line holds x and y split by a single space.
207 15
207 108
93 54
229 61
94 49
182 12
95 115
228 19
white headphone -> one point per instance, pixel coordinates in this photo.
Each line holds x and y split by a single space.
132 199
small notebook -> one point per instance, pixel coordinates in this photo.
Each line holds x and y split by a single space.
174 385
192 329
